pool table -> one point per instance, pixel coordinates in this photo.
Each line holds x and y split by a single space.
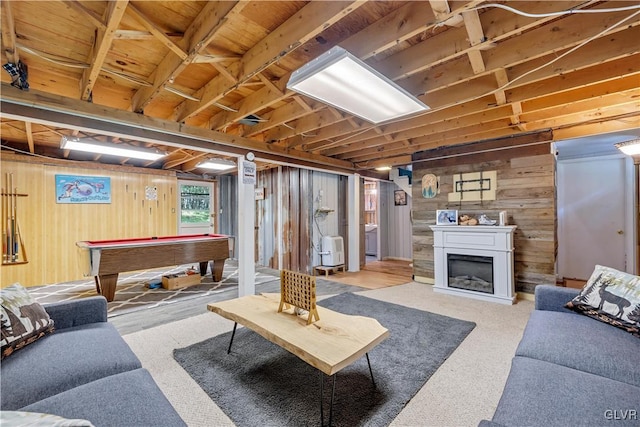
105 259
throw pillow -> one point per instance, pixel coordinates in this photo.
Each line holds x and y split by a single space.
611 296
34 419
23 320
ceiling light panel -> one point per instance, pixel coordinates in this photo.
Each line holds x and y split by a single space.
107 148
347 83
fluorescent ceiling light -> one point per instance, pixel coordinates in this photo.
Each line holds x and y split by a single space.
630 148
344 81
217 164
122 150
383 168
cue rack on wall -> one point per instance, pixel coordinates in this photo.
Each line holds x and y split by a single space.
13 250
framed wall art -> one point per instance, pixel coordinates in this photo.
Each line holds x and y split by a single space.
447 217
83 189
400 197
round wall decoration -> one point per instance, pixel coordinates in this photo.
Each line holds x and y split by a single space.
429 186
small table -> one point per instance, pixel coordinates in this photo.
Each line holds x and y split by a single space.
329 345
327 268
105 259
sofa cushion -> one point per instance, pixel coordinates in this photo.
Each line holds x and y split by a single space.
23 320
127 399
582 343
63 360
541 393
611 296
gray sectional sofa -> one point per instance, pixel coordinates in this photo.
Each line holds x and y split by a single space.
570 370
84 370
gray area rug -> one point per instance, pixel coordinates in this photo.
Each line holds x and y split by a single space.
260 384
132 293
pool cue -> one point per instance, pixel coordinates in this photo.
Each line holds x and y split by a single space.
16 241
12 248
8 220
5 202
9 201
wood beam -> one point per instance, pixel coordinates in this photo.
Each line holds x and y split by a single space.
212 59
485 145
476 37
409 20
193 161
317 16
95 19
530 87
555 103
251 104
598 128
199 35
142 35
29 132
157 32
48 109
102 44
505 25
9 33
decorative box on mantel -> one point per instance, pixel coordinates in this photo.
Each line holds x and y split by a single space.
475 261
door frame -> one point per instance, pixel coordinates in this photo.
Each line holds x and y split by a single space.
213 218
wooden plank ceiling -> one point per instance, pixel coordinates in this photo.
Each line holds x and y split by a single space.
185 75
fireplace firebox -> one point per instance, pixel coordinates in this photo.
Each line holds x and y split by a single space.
470 272
474 261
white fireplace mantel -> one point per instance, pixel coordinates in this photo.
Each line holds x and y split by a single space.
480 240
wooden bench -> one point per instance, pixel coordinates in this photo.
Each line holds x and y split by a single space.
328 268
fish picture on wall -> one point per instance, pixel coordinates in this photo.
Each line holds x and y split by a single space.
83 189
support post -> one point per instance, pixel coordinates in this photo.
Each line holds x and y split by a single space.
353 220
246 224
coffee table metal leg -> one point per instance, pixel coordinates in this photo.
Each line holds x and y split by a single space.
370 371
333 392
235 325
321 399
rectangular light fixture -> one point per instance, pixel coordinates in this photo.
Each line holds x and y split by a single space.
99 147
630 148
217 164
340 79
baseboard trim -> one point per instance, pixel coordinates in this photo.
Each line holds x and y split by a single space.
526 297
422 279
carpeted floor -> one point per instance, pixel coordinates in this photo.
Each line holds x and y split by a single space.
261 384
464 390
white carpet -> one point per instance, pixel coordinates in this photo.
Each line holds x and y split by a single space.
463 391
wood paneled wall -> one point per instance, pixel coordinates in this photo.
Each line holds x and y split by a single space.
51 230
299 197
398 244
525 189
295 195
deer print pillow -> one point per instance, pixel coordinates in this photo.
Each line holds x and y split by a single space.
611 296
23 320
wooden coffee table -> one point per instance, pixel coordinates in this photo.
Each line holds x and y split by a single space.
329 345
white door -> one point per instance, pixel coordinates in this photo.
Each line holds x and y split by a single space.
197 213
593 207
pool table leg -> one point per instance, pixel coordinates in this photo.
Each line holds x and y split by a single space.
216 269
203 268
106 285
